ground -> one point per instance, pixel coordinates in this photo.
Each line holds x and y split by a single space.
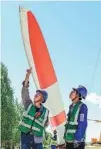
93 148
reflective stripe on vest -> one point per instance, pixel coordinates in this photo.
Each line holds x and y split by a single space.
32 118
72 124
37 121
29 107
45 119
29 122
28 116
71 131
28 126
76 116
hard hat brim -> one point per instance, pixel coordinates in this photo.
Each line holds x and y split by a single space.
39 91
74 89
77 91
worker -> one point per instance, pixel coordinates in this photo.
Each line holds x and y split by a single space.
75 128
35 117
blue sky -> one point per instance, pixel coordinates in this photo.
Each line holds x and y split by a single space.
72 31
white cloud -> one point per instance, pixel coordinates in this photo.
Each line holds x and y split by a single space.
100 105
94 98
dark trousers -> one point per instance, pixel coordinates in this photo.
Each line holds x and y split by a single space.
71 146
27 142
53 146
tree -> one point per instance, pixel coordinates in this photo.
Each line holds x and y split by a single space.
8 112
16 133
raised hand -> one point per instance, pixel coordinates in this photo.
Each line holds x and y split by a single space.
29 71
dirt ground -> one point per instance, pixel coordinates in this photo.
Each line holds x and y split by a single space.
93 147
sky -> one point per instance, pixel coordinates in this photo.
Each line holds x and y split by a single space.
72 31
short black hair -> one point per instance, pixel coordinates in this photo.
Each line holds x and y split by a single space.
80 98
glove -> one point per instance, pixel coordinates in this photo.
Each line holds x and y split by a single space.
29 71
76 144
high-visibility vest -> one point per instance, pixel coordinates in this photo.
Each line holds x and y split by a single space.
30 123
71 126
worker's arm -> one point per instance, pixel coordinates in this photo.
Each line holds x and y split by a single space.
82 123
25 92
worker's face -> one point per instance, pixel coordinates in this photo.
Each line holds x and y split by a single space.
73 95
38 97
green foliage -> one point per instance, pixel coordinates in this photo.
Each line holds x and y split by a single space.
16 133
47 140
10 111
7 106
